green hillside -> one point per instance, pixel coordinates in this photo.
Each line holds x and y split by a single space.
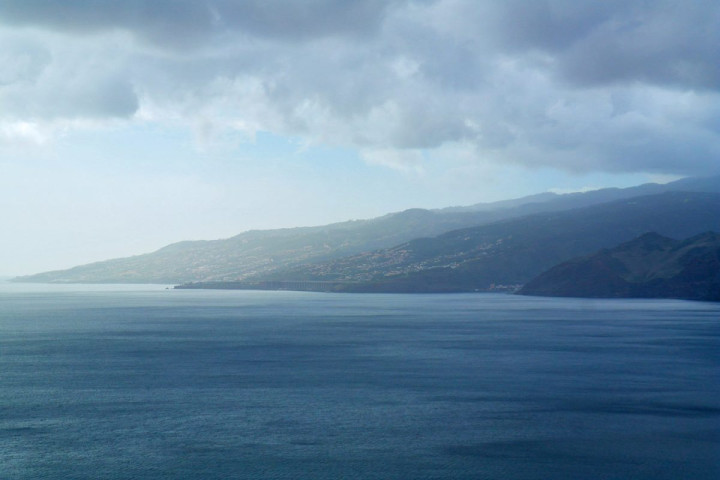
320 252
650 266
512 252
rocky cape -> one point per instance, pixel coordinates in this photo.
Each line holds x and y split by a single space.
650 266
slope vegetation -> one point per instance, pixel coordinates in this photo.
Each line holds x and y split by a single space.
256 253
275 254
650 266
512 252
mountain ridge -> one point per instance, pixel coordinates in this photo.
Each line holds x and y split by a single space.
262 252
507 253
513 251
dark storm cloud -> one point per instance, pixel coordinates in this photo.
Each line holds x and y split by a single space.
675 44
581 85
179 23
594 43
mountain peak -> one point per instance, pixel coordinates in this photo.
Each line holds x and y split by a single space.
650 241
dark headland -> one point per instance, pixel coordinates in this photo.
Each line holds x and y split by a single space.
650 266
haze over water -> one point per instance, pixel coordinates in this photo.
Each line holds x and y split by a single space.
142 382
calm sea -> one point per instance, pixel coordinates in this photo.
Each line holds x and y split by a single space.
147 383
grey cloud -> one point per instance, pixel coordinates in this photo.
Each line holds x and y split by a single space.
309 19
114 97
677 45
581 85
190 23
42 80
180 19
593 42
657 131
545 24
21 60
664 42
99 99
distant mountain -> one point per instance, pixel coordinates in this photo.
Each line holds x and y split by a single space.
650 266
257 254
260 252
511 252
546 202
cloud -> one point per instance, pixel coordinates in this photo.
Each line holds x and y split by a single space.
408 161
21 133
46 77
189 23
21 60
629 86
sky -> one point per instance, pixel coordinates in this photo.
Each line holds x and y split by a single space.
128 125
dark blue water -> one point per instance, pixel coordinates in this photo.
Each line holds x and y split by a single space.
147 383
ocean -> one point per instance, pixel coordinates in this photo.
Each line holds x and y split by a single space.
143 382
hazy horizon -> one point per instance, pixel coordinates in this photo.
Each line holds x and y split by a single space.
128 126
343 220
7 276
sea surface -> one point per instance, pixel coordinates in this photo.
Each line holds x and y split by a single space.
142 382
